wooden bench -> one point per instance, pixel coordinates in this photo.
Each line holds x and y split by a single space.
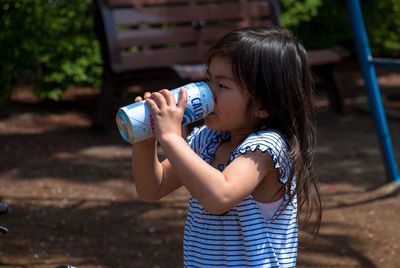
161 43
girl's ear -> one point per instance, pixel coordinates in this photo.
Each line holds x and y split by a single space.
261 113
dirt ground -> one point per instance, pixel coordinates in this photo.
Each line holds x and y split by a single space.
73 200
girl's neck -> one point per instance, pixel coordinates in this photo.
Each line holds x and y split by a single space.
236 137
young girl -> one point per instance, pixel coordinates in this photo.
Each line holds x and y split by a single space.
248 170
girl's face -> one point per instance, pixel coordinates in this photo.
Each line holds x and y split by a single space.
230 112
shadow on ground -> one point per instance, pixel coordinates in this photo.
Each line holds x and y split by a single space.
73 199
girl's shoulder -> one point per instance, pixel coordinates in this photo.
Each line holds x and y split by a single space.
272 143
263 139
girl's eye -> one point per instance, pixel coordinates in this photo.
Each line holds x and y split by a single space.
222 86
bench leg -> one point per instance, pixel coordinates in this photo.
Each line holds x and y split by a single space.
332 87
104 106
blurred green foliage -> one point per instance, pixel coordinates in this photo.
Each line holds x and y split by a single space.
295 11
383 23
53 41
327 24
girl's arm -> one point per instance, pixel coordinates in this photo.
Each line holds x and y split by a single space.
216 191
153 179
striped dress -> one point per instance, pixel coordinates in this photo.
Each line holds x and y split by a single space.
241 237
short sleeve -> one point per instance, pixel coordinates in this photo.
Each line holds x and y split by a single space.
203 141
198 138
192 138
273 144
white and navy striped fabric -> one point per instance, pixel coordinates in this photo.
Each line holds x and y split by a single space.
241 237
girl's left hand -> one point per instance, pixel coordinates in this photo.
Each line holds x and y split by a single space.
167 115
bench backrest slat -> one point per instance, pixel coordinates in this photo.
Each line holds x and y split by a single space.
124 3
185 14
181 35
160 58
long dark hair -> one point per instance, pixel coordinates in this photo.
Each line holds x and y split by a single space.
273 67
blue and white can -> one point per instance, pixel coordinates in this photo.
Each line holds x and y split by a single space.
134 121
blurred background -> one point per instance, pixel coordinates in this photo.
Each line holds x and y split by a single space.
69 186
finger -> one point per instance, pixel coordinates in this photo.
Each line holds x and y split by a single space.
159 99
147 95
152 106
169 97
183 99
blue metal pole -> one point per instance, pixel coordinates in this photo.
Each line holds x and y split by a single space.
391 63
372 87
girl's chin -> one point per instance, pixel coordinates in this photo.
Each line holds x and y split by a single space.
211 123
209 119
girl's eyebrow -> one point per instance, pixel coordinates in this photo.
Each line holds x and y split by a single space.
221 76
224 77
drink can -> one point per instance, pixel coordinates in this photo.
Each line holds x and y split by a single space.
135 122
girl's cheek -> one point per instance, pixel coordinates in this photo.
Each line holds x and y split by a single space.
215 95
213 89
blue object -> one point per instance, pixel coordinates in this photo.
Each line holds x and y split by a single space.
369 74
